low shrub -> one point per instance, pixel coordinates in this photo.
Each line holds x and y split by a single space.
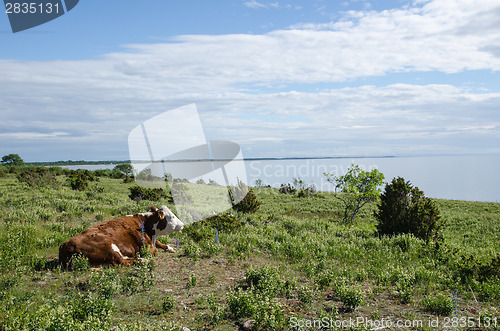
90 306
192 281
243 199
242 303
249 204
439 304
264 279
351 296
305 294
204 230
138 193
471 267
78 182
38 177
223 223
192 250
287 189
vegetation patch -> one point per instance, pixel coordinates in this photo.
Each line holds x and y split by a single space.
294 257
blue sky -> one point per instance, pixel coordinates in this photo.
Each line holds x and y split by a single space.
281 78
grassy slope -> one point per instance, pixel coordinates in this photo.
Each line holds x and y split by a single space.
301 237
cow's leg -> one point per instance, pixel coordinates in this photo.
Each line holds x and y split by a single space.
118 258
164 247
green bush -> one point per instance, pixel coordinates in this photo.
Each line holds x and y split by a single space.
191 281
287 189
223 223
249 204
404 209
471 267
439 304
243 200
351 296
204 230
242 303
266 311
270 315
138 193
78 182
264 279
38 177
305 294
90 305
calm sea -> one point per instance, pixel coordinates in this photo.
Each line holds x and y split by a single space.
473 178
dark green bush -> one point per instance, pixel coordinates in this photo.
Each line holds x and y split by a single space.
249 204
138 193
242 199
78 182
37 177
404 209
84 174
287 189
470 267
307 192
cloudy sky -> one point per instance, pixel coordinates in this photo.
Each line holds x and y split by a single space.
280 78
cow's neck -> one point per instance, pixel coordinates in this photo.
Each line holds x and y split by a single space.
148 226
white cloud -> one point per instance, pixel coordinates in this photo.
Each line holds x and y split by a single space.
32 135
254 4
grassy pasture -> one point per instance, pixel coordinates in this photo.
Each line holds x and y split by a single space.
291 262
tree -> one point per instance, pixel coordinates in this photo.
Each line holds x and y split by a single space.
404 209
355 189
12 159
125 168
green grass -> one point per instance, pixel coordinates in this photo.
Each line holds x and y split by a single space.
293 258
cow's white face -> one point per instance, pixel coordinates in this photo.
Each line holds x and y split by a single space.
173 223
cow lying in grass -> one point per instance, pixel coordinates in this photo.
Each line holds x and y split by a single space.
117 241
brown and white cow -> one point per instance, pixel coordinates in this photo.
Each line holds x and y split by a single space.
117 241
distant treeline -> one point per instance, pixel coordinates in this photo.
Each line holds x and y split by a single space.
74 163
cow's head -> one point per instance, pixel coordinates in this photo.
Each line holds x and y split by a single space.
168 221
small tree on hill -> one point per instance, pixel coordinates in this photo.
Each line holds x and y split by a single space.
404 209
355 189
126 171
12 159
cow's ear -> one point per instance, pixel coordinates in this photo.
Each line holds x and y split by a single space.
153 208
161 214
